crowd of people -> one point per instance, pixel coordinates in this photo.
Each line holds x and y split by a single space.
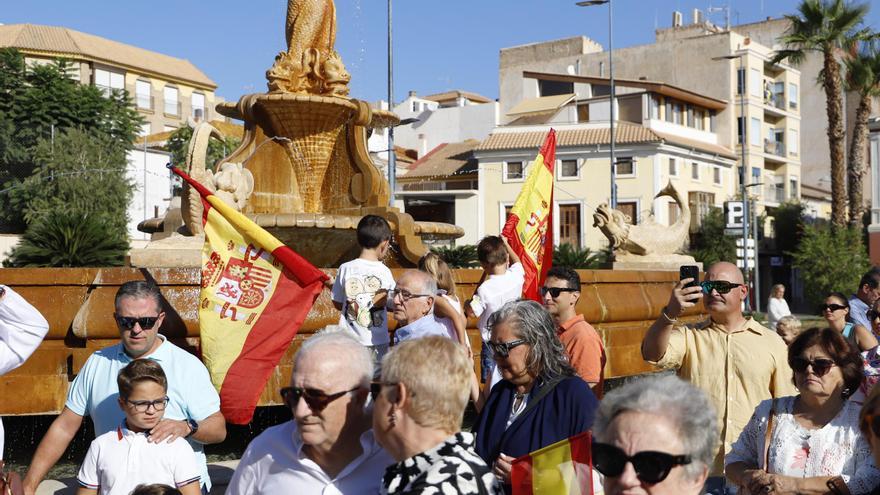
750 409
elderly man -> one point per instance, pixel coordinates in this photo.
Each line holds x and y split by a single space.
193 410
329 446
413 300
735 360
863 299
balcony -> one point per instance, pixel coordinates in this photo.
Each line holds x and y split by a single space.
774 193
776 100
144 103
774 148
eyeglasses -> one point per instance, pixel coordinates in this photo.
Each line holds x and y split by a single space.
720 286
870 421
651 467
502 349
315 399
376 388
405 295
128 322
555 291
820 366
832 307
873 315
144 405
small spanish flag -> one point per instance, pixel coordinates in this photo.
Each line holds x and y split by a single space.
563 468
256 292
529 227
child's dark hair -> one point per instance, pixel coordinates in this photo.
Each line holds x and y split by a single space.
491 250
140 370
372 230
155 489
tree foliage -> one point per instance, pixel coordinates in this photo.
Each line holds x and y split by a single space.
710 245
579 259
69 239
178 144
458 256
788 221
830 259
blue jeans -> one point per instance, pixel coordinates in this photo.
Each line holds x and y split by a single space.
718 485
486 362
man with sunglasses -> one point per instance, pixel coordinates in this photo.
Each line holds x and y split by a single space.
560 294
193 411
328 446
731 357
412 301
864 298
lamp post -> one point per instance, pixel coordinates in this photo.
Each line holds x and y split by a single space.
743 175
591 3
392 158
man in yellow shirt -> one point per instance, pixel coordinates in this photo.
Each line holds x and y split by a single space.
732 358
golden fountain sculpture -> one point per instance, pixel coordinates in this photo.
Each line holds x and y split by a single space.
305 146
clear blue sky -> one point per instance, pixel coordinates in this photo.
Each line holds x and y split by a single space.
452 44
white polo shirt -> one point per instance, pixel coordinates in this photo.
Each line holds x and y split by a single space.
121 459
274 463
496 291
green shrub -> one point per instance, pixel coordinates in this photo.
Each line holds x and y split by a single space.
69 239
830 259
579 259
458 256
710 245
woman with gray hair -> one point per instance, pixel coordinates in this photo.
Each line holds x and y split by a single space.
656 435
540 399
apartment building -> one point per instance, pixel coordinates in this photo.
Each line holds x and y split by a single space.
167 91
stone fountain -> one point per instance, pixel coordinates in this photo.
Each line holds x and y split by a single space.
303 171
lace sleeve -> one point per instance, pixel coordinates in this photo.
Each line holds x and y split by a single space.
867 476
747 446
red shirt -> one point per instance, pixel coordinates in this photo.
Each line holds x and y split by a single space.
585 351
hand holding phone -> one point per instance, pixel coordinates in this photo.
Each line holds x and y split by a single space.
689 271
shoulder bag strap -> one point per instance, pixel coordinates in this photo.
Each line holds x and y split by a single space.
769 433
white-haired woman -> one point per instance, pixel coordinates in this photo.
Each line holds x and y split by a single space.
417 415
656 436
777 307
540 399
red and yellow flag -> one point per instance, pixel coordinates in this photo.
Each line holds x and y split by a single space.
256 292
564 468
529 227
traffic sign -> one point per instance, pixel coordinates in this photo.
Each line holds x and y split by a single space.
751 253
750 243
734 214
734 232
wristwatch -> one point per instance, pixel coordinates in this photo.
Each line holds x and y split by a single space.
193 427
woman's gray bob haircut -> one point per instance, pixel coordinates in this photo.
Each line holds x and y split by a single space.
686 407
346 348
532 323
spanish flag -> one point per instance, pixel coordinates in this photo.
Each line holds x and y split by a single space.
529 227
563 468
256 292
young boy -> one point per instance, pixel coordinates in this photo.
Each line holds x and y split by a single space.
120 460
504 283
362 285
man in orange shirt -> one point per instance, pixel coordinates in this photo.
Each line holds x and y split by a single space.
560 294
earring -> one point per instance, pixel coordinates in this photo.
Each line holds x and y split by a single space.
392 418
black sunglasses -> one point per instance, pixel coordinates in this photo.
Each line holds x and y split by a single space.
873 314
872 422
315 399
720 286
555 291
502 349
831 307
128 322
651 467
820 366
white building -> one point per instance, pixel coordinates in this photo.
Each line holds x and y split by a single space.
152 189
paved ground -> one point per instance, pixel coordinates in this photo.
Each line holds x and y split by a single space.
221 473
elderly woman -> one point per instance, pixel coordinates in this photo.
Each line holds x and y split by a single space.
777 307
417 414
813 440
540 400
655 435
835 310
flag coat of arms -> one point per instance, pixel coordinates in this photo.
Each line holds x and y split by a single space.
529 227
563 468
255 294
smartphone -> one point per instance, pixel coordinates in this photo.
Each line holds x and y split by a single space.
689 271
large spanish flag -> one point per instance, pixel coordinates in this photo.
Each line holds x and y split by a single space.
564 468
529 226
256 292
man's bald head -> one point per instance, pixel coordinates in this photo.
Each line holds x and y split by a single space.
724 270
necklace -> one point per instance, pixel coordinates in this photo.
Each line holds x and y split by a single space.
519 404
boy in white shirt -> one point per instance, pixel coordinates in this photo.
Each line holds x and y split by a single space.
504 283
361 287
120 460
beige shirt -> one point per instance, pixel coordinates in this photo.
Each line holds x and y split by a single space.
736 370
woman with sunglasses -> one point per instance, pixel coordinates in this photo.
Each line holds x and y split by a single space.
540 399
417 418
655 436
835 310
813 442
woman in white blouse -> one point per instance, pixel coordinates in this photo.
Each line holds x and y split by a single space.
777 307
814 438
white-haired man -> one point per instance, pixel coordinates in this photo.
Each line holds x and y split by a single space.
413 300
328 446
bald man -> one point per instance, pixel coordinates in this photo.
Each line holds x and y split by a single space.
732 358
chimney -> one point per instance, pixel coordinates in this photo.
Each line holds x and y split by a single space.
412 94
698 16
676 19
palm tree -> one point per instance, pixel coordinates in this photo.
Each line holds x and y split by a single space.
862 77
827 27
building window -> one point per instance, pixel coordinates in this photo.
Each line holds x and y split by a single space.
570 225
553 88
716 175
793 188
739 129
674 211
172 107
655 107
700 204
740 81
673 168
143 94
712 121
630 209
668 111
695 171
793 141
198 106
107 81
792 96
676 113
568 169
690 117
755 86
626 167
415 106
514 171
699 115
755 132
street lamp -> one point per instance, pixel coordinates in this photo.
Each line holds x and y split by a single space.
592 3
392 162
743 175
